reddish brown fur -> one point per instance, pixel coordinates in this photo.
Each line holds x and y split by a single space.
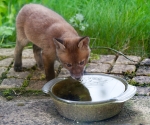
41 26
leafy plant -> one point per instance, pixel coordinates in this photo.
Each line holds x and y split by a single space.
78 21
5 32
7 26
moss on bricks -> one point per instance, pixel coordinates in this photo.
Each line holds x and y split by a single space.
94 57
133 82
9 94
2 57
129 74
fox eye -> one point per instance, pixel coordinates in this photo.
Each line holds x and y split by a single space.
68 65
81 63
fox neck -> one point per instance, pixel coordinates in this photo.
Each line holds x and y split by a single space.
69 34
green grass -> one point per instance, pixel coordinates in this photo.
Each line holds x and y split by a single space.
123 25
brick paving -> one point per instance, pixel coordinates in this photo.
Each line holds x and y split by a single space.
40 109
138 72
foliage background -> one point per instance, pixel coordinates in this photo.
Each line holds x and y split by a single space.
123 25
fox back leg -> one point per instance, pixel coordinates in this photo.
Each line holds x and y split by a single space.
21 42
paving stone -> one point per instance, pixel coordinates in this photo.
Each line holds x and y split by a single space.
2 69
119 69
108 59
41 110
145 62
38 75
143 70
56 65
7 52
142 79
28 63
12 73
36 84
143 90
27 53
123 60
11 83
64 73
97 68
6 62
118 75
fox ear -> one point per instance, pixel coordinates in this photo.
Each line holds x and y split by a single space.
84 42
59 43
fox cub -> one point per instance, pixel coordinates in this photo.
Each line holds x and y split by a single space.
53 39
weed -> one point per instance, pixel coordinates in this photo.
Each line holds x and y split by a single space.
22 91
2 57
133 82
25 83
9 98
94 57
3 76
20 104
42 77
7 92
129 74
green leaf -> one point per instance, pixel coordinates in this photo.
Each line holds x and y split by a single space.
3 8
6 31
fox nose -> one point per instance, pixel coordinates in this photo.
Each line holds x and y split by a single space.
78 79
77 74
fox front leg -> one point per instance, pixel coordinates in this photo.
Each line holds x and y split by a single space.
48 61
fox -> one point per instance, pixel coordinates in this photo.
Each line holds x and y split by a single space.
53 38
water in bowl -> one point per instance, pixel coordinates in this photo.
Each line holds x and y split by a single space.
90 88
71 89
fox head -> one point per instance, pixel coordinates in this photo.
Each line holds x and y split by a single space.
73 53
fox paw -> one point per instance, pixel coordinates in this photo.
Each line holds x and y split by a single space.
18 68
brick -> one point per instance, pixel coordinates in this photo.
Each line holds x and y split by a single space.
119 69
11 83
143 70
64 73
38 75
97 68
7 52
143 90
142 79
28 63
108 59
123 60
12 73
27 53
2 69
145 62
6 62
36 84
56 65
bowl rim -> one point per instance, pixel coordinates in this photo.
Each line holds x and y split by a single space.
113 100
